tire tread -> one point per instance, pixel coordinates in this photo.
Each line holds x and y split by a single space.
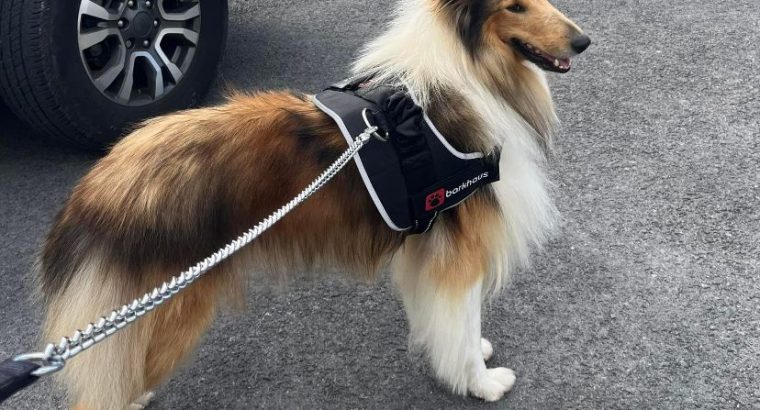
24 76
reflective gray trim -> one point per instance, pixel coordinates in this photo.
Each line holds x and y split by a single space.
360 165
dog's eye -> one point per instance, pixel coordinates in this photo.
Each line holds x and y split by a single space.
516 8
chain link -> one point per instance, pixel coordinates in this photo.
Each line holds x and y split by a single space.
54 356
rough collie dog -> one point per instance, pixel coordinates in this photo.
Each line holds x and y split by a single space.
183 185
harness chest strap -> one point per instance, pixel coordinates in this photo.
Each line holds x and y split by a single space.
416 174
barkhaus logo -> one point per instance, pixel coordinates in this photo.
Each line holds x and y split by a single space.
466 184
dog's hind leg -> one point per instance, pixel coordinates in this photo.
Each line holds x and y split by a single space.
121 372
111 374
176 329
441 277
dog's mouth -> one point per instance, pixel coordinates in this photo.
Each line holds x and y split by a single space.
542 59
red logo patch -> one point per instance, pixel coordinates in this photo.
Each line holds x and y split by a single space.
435 200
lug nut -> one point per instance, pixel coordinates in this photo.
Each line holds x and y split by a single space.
131 3
148 3
156 23
120 23
128 43
146 43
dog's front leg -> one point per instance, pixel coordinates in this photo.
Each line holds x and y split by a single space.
442 294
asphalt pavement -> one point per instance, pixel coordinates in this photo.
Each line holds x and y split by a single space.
648 296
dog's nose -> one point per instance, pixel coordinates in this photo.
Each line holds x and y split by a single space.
580 43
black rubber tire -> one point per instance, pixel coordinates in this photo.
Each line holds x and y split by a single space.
44 82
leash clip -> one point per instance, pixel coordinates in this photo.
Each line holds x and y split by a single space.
383 138
46 363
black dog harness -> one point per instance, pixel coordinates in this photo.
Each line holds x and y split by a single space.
416 173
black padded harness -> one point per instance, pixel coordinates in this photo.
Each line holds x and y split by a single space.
416 173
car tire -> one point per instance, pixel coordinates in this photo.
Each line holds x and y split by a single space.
47 81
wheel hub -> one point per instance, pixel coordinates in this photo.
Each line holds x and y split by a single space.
141 26
140 21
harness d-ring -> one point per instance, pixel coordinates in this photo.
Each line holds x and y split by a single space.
370 125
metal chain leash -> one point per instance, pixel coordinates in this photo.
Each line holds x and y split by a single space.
54 357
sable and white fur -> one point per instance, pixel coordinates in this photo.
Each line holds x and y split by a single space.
182 185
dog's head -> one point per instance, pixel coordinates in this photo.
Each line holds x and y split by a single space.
517 30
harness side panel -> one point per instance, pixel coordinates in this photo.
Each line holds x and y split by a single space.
378 162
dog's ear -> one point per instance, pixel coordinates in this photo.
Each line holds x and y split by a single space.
469 17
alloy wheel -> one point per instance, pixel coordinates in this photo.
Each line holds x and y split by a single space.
136 51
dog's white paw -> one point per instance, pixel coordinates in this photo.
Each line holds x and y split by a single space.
142 402
493 384
487 349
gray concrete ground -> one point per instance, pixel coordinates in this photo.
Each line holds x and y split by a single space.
648 297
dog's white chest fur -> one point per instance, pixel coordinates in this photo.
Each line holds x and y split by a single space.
413 51
528 211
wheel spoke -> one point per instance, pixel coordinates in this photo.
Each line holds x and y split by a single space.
157 79
188 14
107 78
191 35
174 70
90 8
155 76
125 92
188 34
89 39
112 71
